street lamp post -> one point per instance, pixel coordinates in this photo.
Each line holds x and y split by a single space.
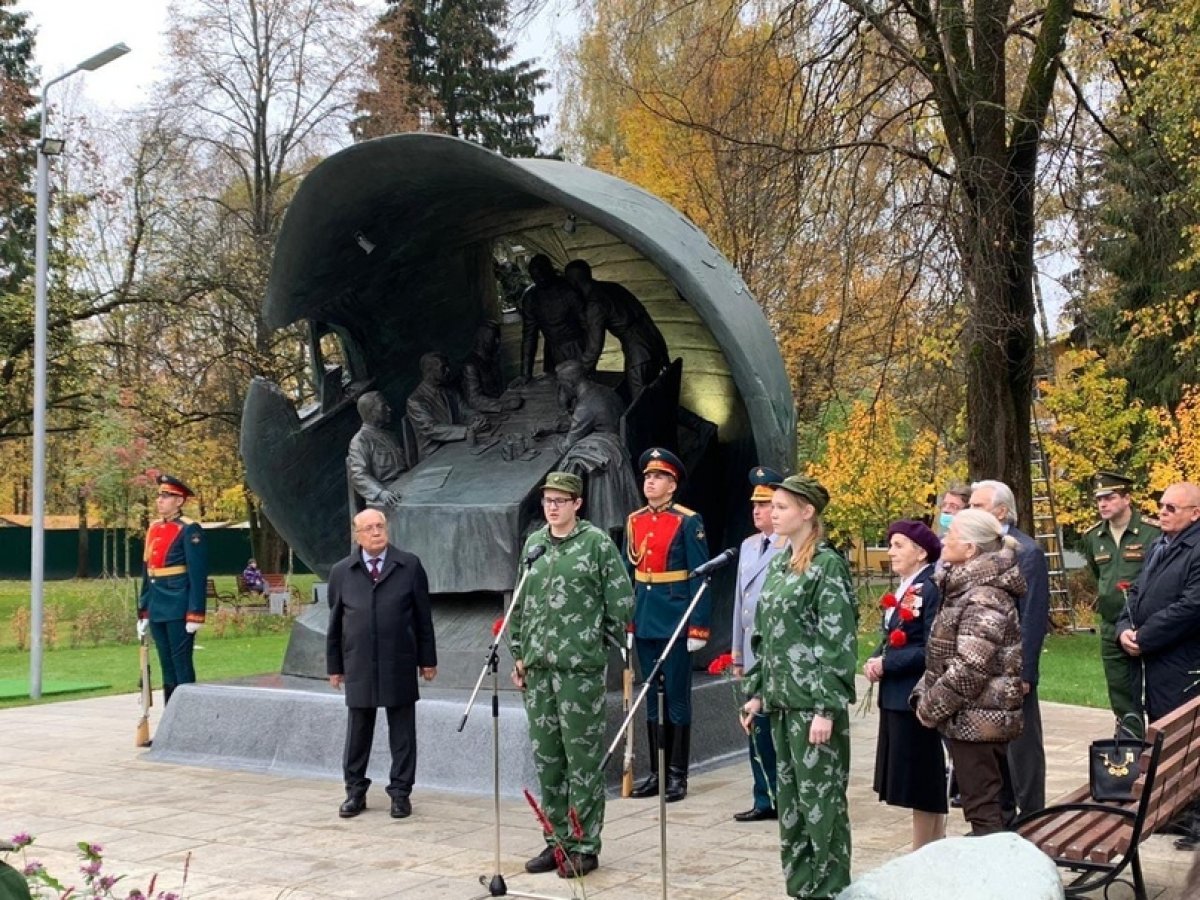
46 148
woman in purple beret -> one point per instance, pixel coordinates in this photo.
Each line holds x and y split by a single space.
910 769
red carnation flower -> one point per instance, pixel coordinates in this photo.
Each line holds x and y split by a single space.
897 638
906 614
1123 585
720 664
497 625
576 826
538 812
888 601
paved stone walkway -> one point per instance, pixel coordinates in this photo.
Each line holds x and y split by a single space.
69 772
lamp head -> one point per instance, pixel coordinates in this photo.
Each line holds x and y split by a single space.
51 146
103 58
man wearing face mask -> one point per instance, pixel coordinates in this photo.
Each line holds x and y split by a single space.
956 499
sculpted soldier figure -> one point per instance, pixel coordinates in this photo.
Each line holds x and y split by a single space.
375 457
174 585
593 447
609 306
437 412
549 307
1115 549
576 600
482 380
664 542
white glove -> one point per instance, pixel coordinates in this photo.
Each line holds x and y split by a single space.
142 625
695 645
192 627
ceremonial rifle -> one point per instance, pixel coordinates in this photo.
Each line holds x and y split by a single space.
142 738
626 700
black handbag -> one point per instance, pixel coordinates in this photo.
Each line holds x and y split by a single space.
1114 765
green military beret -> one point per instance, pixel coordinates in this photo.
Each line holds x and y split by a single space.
565 482
807 488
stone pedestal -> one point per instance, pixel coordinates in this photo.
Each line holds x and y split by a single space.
296 727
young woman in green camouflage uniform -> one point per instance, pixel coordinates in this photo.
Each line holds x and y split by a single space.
806 645
577 600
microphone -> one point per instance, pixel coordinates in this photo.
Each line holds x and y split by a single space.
532 556
721 559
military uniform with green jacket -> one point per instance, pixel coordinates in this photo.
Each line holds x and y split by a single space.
1114 563
806 648
576 601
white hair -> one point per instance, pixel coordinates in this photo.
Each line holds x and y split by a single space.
1002 495
981 528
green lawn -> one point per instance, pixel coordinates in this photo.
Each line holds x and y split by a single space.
216 659
254 645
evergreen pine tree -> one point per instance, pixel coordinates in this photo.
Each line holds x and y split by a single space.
442 65
18 133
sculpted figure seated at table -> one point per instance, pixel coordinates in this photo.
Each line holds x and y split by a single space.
437 412
482 381
375 457
593 448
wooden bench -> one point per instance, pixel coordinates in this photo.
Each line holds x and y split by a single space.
248 599
1100 840
278 584
213 599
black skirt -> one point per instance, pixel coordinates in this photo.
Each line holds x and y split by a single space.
910 764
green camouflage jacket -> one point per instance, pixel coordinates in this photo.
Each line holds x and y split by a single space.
577 598
806 636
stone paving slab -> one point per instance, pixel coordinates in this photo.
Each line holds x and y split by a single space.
69 772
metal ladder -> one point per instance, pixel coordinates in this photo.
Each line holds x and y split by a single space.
1047 530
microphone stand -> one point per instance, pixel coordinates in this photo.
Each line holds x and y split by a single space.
496 885
657 678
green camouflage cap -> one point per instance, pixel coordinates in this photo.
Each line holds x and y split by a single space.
565 482
806 488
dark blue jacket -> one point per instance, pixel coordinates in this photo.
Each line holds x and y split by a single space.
1164 609
904 666
1034 606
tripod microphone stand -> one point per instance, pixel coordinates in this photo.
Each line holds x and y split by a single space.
657 678
496 885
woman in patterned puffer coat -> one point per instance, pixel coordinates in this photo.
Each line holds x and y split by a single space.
971 691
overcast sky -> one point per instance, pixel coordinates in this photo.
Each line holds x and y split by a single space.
69 31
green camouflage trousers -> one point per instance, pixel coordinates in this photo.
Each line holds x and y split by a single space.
814 817
566 729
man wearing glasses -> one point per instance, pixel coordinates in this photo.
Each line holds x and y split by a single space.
576 600
174 585
380 636
1161 623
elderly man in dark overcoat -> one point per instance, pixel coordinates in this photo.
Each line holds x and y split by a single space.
380 637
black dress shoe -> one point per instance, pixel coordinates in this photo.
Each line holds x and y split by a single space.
755 815
647 787
576 865
352 807
401 807
676 788
543 862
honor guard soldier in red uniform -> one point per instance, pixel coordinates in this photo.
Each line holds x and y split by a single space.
173 585
664 542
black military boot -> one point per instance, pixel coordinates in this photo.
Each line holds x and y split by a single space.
677 763
648 786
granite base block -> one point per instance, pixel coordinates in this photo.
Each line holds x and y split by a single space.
296 727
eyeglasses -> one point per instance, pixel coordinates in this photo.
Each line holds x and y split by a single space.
1175 507
369 528
556 502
